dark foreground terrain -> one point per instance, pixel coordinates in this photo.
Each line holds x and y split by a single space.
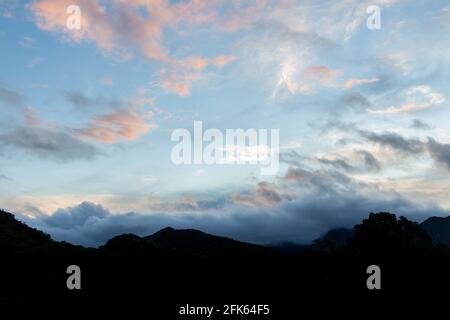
173 268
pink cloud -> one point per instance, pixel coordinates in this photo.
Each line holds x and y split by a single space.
174 83
30 116
120 124
352 82
265 195
324 75
121 27
180 78
222 61
51 15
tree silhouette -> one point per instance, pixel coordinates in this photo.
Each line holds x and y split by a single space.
382 234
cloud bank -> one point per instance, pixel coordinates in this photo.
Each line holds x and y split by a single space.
300 207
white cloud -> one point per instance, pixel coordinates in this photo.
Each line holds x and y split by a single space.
417 98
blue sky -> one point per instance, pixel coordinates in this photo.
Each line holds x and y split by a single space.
86 115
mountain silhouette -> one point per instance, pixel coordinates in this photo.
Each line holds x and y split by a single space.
191 240
438 229
339 235
17 235
172 264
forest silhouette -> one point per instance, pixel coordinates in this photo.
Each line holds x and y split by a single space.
171 265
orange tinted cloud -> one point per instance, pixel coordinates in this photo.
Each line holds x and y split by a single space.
180 78
352 82
322 74
177 85
120 124
222 61
417 98
52 15
266 195
121 27
308 78
196 63
123 24
30 116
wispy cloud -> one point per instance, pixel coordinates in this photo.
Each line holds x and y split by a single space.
417 98
121 28
353 82
27 42
11 97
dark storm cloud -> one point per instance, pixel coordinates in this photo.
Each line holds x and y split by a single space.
45 143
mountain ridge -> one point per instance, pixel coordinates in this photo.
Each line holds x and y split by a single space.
177 264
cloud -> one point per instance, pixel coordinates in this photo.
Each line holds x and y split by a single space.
308 79
4 177
48 144
370 161
265 195
117 125
395 142
34 61
81 100
13 98
78 99
307 16
29 114
17 100
417 124
417 98
52 16
322 200
352 82
74 217
440 152
222 61
355 101
324 75
184 72
178 82
123 27
337 163
27 42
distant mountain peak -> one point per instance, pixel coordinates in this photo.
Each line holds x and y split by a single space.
438 228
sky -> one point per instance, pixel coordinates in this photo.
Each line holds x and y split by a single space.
87 114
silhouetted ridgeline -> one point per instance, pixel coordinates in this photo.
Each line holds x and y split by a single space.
172 265
438 228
